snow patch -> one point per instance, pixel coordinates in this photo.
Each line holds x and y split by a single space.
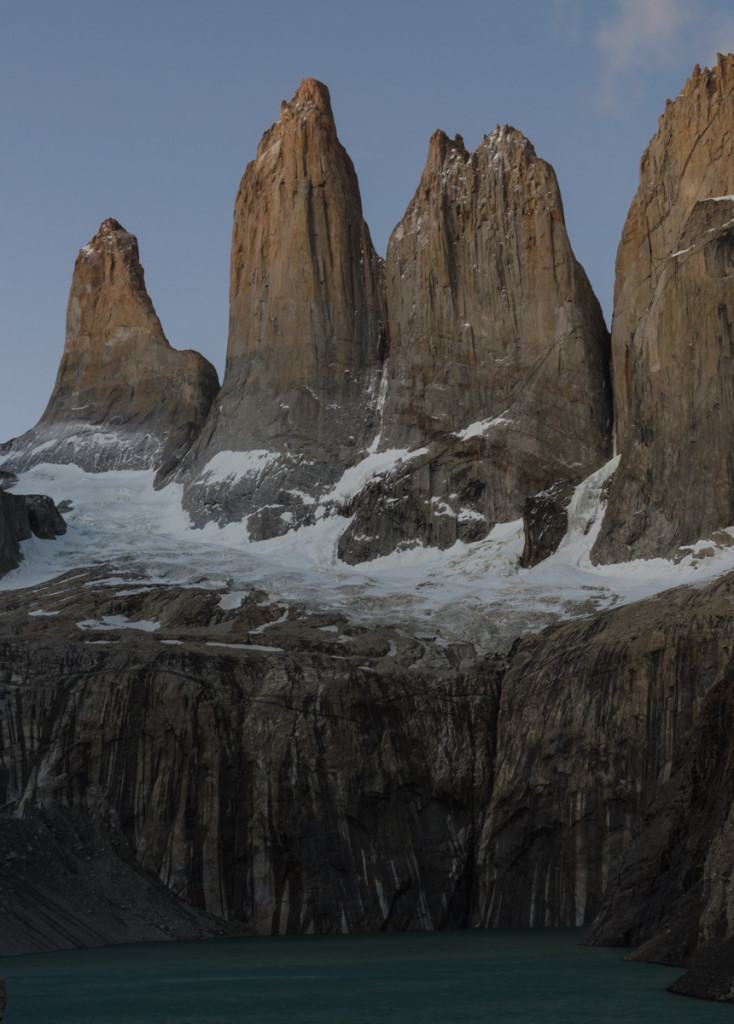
227 466
481 427
119 622
374 465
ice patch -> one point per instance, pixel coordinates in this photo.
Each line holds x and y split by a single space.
473 592
243 647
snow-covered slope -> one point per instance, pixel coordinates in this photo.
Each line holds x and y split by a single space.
473 591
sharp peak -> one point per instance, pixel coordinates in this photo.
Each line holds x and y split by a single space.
310 93
441 146
109 225
718 79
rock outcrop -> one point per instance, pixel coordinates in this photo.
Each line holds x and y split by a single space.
672 341
123 398
545 520
497 379
288 771
307 331
21 517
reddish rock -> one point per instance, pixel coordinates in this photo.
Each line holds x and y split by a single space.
123 397
307 328
498 352
672 347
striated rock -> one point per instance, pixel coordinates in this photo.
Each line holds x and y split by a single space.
672 893
307 331
21 517
594 718
69 880
282 770
287 771
672 345
123 397
498 351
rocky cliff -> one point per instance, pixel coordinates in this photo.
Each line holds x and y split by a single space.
594 721
307 331
672 333
497 379
123 397
289 771
23 516
283 770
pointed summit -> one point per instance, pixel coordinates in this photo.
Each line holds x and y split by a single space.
123 397
307 330
498 375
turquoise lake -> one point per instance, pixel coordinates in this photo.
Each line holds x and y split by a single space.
532 977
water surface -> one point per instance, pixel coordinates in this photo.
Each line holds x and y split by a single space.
492 977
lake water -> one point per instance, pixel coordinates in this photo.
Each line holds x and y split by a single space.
492 977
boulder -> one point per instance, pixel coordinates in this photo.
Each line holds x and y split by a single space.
21 517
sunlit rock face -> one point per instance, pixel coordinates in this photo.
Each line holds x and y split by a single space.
123 397
307 330
672 340
498 370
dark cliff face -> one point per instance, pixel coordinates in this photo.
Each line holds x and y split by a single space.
672 332
123 398
293 773
287 771
594 718
307 330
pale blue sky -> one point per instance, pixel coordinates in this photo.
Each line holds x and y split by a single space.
149 112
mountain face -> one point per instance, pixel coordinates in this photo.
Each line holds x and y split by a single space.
497 382
123 397
307 331
672 345
262 765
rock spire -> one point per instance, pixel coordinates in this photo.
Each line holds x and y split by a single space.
307 329
123 397
497 378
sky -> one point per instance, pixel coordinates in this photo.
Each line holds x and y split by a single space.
149 112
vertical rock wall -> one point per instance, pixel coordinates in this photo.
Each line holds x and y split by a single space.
672 340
